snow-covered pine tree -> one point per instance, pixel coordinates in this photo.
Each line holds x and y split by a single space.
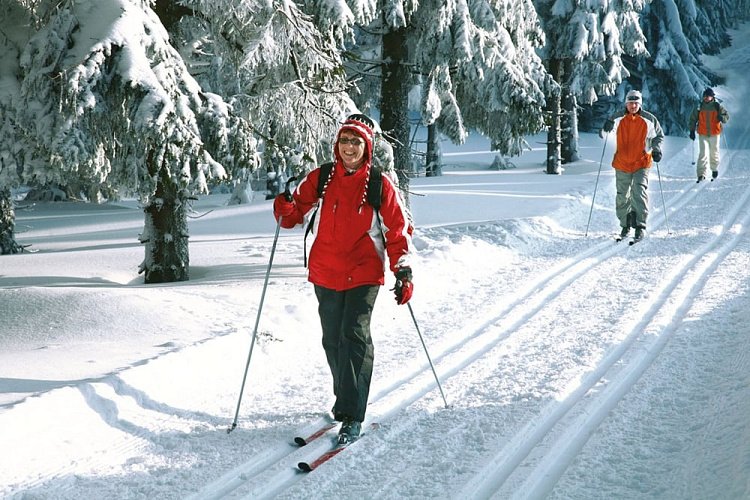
586 42
473 60
107 103
674 77
271 62
499 81
17 24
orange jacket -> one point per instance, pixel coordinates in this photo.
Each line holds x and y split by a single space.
708 116
637 136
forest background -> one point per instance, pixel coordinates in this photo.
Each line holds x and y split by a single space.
163 100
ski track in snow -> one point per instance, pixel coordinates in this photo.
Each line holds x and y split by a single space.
554 436
557 381
534 444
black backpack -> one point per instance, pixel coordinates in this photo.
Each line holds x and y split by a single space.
374 193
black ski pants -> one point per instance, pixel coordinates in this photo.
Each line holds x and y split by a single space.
345 319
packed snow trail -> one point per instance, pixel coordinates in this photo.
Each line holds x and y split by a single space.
571 420
544 341
553 436
678 292
532 369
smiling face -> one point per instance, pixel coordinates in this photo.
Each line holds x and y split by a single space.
633 107
351 149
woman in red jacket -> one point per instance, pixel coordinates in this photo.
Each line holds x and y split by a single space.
347 261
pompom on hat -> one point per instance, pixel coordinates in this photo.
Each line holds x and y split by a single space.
634 96
709 92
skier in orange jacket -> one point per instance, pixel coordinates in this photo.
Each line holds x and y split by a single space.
709 116
639 140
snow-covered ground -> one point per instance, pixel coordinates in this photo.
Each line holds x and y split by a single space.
573 366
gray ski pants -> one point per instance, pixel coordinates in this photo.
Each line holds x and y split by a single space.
632 196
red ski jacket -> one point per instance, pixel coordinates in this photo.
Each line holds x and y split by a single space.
351 238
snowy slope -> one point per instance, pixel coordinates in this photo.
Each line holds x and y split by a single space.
574 366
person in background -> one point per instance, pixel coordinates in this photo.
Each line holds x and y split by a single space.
709 116
347 261
639 140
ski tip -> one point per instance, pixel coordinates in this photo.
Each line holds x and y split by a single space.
300 441
304 467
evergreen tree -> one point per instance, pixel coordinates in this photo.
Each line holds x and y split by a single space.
276 68
672 76
473 62
586 42
105 102
17 23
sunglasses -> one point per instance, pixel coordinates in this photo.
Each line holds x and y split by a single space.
353 142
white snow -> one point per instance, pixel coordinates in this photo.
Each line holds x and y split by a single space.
574 367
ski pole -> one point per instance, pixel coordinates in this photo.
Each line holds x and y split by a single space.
288 196
596 185
692 153
663 203
428 354
726 148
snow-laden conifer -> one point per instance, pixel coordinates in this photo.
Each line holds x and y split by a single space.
586 42
675 76
107 104
278 70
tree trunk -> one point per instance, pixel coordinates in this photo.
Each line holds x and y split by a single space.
394 104
569 120
433 165
170 13
166 235
8 243
553 111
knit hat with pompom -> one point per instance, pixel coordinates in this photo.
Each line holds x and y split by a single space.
362 125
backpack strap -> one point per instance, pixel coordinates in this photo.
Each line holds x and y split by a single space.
375 188
325 173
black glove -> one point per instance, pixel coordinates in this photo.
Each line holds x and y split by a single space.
692 135
606 128
656 155
404 287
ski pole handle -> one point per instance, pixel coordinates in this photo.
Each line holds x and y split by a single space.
287 192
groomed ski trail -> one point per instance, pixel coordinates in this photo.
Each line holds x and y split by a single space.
274 475
636 354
